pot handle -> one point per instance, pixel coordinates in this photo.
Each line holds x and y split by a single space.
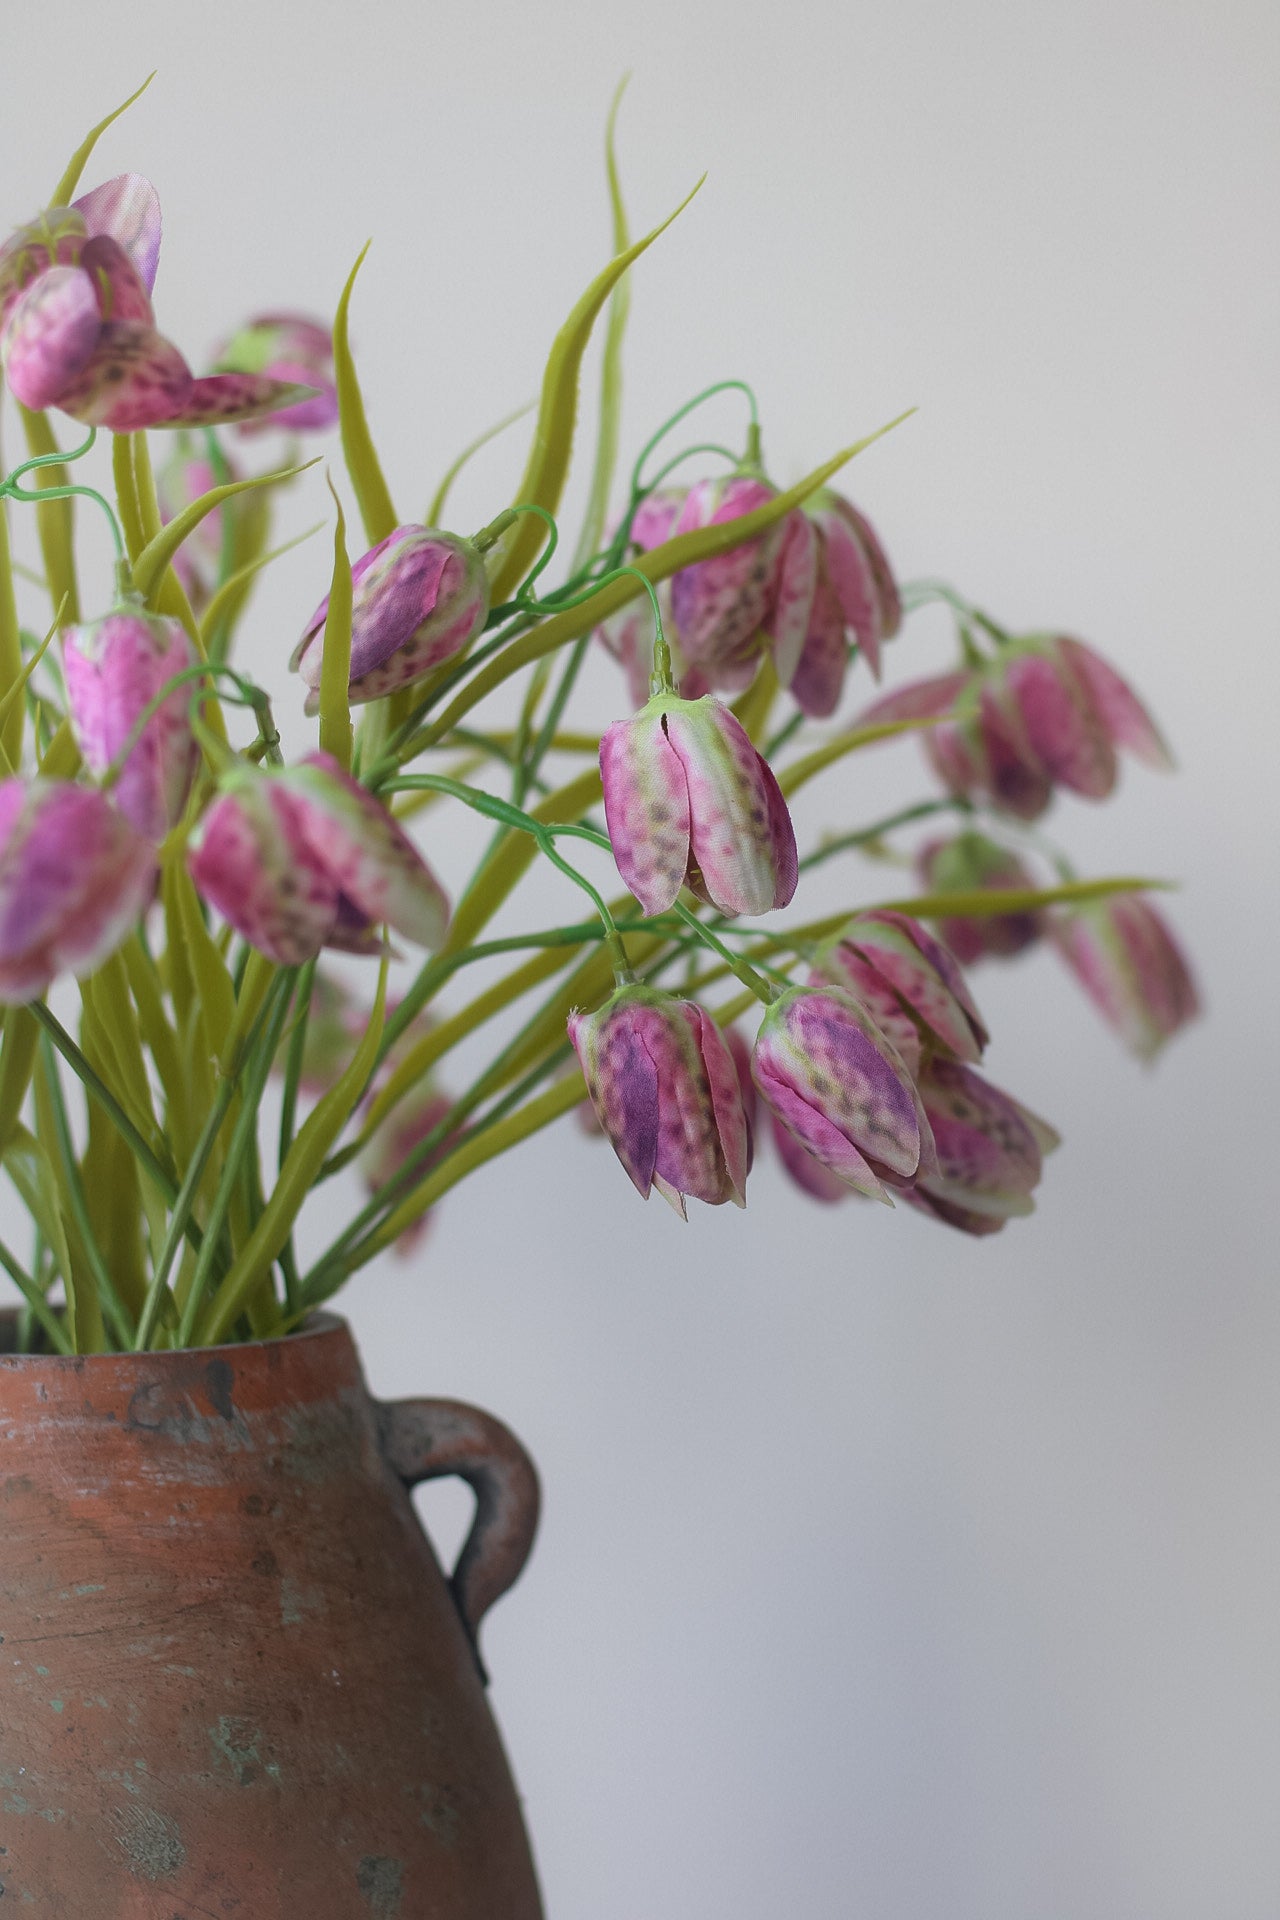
433 1439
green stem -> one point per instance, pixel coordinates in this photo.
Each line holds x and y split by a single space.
37 1305
99 1091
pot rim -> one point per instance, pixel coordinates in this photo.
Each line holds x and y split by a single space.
319 1324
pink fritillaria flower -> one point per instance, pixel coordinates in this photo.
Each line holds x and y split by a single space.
989 1150
405 1129
689 801
909 984
112 670
74 877
77 328
1126 958
1044 713
720 605
664 1085
970 862
419 597
828 1072
307 858
224 536
295 349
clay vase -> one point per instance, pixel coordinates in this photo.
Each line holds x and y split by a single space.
233 1680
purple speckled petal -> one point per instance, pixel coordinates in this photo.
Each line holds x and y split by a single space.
127 209
718 605
370 858
655 517
921 700
1010 772
622 1081
818 680
74 877
134 378
1126 720
860 573
121 294
49 336
252 861
646 808
922 977
1125 957
795 581
809 1174
741 838
988 1156
219 398
828 1072
723 1076
112 671
1061 726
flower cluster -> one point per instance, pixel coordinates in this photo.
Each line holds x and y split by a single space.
194 879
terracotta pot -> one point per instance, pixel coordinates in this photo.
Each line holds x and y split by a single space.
233 1680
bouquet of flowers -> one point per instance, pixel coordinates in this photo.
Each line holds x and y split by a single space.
155 844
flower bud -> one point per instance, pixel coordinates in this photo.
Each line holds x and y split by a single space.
1125 957
689 801
292 348
831 1076
665 1088
419 597
908 983
971 862
989 1151
719 604
307 858
112 670
74 877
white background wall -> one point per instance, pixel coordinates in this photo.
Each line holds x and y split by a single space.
882 1572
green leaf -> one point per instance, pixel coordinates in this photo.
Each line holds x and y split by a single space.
607 433
372 497
436 508
70 180
55 519
150 565
544 476
212 988
225 607
10 655
17 1060
335 661
297 1177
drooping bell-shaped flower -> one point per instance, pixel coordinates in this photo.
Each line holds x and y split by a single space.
665 1088
909 984
113 669
989 1151
719 606
861 579
292 348
1044 713
419 597
689 801
77 328
1125 956
74 877
828 1072
971 862
307 858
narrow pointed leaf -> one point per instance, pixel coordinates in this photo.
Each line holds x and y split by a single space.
17 1060
70 180
436 509
297 1176
373 496
55 519
609 427
544 476
10 655
156 555
335 660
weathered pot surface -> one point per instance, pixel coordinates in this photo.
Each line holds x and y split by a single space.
233 1680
